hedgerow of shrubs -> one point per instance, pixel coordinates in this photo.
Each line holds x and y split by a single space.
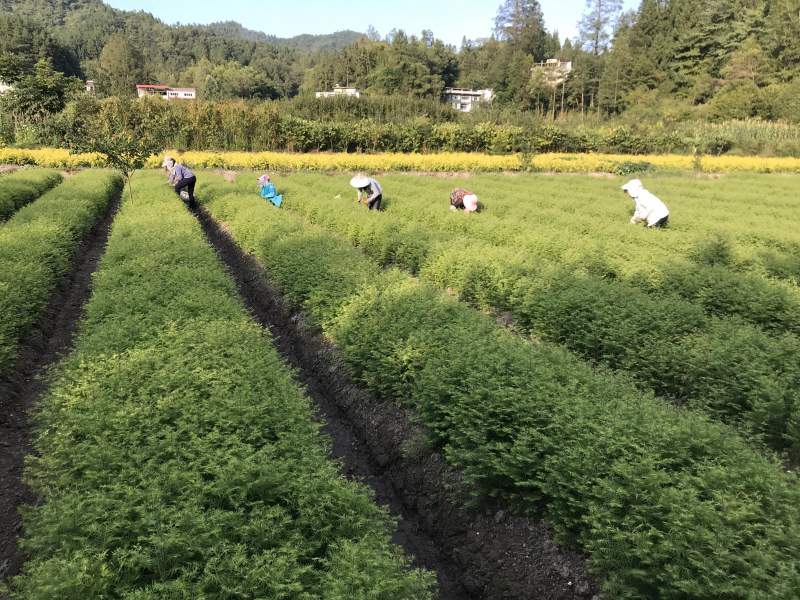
383 125
37 246
667 503
177 457
22 187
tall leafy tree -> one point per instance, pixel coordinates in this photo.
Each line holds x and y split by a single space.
521 23
748 62
125 136
782 35
121 67
597 23
43 92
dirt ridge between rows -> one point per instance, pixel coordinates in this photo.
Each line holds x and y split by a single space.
48 341
486 554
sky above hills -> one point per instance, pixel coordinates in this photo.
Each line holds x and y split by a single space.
450 20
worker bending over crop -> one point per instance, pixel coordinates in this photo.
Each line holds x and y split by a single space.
461 199
369 189
182 178
648 208
268 191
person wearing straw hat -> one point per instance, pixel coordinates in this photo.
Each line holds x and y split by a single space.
648 208
268 191
182 178
461 199
369 189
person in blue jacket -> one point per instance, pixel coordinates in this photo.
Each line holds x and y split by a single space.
268 191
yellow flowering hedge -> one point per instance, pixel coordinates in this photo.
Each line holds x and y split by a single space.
284 161
727 164
440 162
50 157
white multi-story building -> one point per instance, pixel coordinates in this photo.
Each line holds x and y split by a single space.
554 70
339 90
166 92
463 99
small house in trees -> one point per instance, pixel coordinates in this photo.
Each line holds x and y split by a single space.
89 86
5 87
463 99
555 71
339 90
166 92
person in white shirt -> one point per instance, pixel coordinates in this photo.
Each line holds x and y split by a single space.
649 208
369 189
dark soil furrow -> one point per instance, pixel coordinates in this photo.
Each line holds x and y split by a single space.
47 342
484 553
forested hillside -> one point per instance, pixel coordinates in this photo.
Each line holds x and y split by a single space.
117 49
668 62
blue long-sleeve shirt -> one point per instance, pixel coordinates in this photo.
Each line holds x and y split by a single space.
180 172
268 190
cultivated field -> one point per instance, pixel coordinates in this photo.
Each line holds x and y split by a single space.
638 391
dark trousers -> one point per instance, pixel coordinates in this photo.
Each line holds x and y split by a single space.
662 222
375 203
188 183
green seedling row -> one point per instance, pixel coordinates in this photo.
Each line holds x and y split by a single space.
37 246
23 187
718 252
732 368
666 502
176 457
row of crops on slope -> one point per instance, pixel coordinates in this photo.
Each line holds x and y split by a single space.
37 246
667 503
583 217
742 372
22 187
176 456
589 228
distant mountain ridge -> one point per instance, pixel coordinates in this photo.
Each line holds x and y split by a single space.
54 12
306 41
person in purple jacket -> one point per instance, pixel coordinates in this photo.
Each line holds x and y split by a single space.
182 178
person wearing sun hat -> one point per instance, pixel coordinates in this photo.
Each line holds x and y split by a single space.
268 191
648 208
369 189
